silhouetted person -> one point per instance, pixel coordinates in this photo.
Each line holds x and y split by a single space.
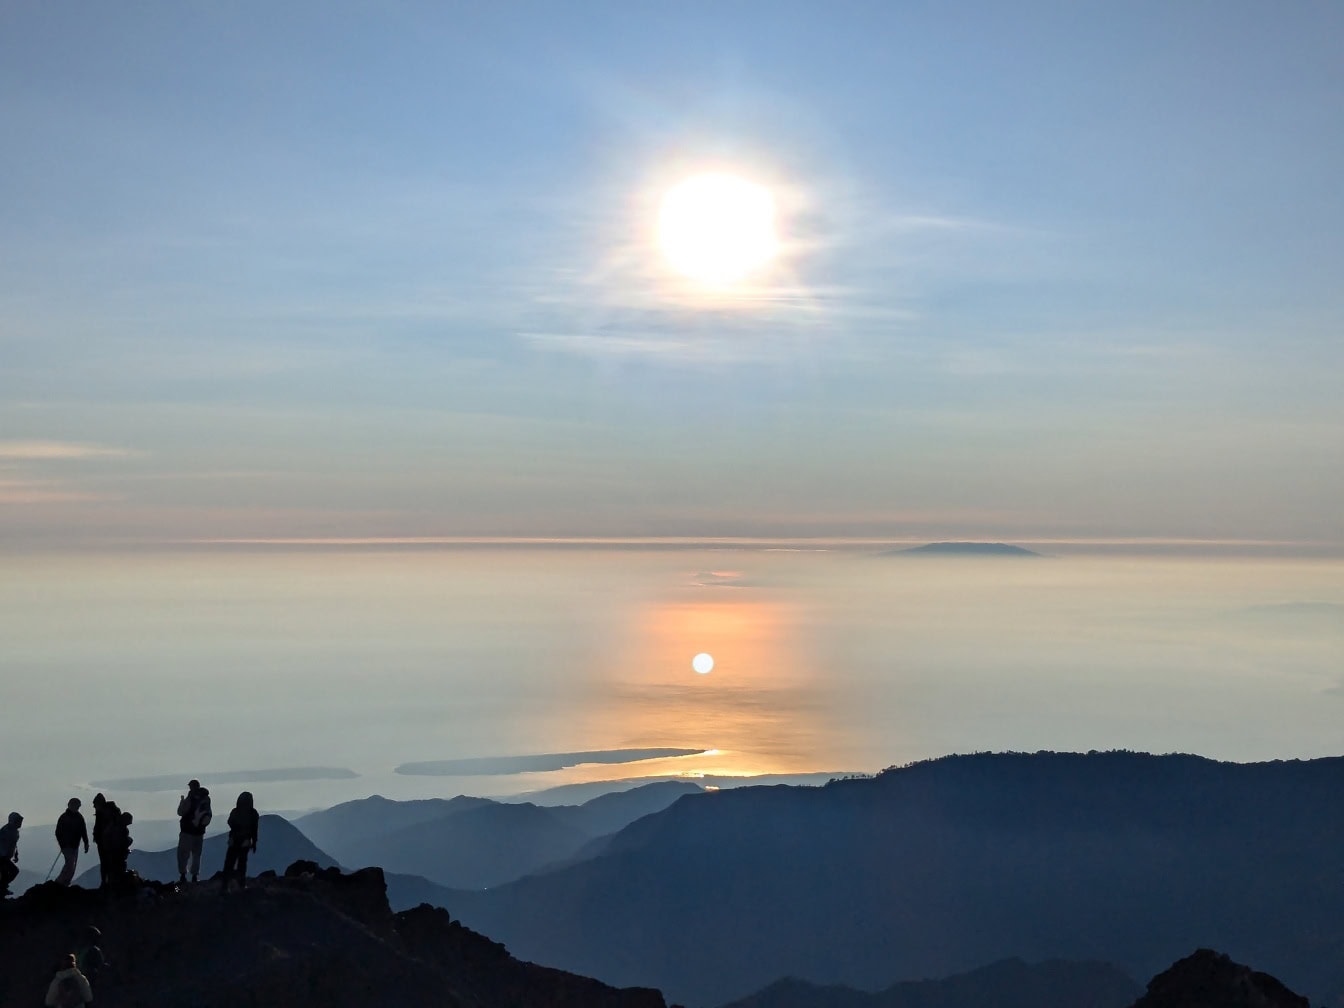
117 845
89 953
9 851
106 818
193 810
71 830
243 822
69 988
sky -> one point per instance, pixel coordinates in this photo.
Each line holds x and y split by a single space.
391 270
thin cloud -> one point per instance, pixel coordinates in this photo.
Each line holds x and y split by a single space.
33 451
24 491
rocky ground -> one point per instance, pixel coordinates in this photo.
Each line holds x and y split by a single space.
310 937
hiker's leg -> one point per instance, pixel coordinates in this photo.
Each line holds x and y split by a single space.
183 849
67 874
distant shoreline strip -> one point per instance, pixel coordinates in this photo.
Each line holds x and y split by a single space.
489 766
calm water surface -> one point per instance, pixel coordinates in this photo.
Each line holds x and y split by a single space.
194 663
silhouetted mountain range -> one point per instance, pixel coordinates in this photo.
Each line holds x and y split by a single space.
937 868
926 870
471 843
316 936
1007 984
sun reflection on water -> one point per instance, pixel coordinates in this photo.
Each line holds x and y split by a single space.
759 711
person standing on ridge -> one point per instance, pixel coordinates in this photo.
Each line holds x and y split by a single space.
70 831
9 851
106 818
243 822
117 843
193 809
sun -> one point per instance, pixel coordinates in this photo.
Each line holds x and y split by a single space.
716 229
703 663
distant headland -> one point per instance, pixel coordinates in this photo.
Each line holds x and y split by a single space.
963 549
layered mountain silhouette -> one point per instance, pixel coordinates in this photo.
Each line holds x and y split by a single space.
315 936
851 889
312 937
940 867
1007 984
472 843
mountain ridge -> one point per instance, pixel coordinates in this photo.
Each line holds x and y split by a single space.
937 867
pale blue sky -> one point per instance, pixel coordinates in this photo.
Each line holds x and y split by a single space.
383 269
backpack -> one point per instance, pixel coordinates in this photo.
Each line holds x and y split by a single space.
201 815
68 994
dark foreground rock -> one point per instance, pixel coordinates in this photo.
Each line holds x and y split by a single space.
1208 979
312 937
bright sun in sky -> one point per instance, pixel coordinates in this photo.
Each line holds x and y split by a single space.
702 663
716 229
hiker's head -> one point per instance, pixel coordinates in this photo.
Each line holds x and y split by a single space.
73 804
193 785
99 800
245 800
68 962
127 818
91 933
15 819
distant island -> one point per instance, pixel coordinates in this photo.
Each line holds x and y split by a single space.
963 549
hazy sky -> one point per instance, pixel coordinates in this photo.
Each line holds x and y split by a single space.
314 269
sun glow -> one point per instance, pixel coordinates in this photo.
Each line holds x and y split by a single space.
716 229
703 663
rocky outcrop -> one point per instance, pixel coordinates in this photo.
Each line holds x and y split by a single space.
313 936
1208 979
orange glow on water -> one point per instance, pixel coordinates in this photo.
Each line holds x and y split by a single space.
756 713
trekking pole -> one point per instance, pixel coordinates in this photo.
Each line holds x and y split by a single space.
53 866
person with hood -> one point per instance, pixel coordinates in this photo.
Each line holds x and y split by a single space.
70 831
69 988
106 822
193 810
9 851
243 822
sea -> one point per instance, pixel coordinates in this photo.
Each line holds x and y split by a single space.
314 674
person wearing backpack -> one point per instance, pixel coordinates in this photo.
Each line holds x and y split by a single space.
9 851
193 810
117 843
101 818
243 821
70 830
107 828
69 988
